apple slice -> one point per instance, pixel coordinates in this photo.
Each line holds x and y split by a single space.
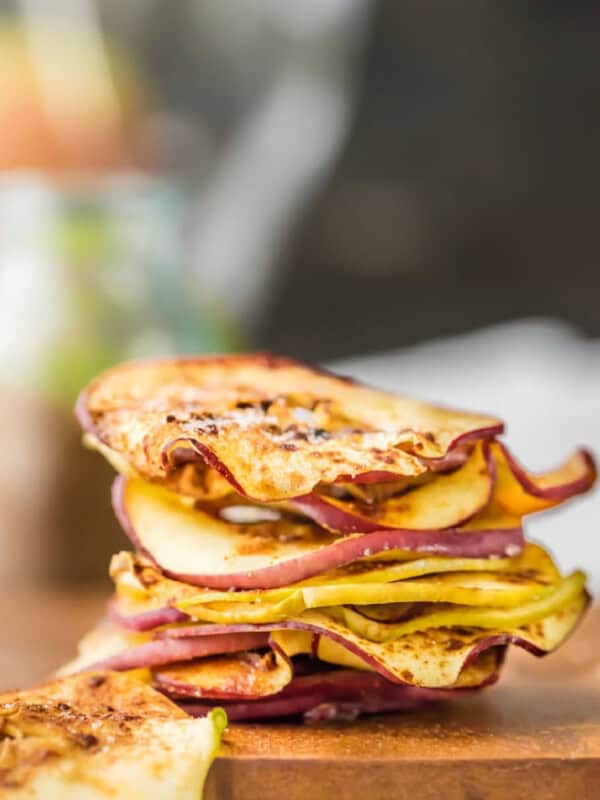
446 615
103 735
446 501
246 675
521 492
197 548
108 647
272 427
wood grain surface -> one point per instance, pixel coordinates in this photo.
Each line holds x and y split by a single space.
535 734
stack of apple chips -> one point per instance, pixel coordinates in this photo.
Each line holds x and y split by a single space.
303 544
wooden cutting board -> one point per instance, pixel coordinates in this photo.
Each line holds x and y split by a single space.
535 735
517 742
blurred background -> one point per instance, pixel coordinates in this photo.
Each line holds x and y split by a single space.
328 179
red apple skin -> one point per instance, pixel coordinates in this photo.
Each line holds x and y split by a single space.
559 491
145 620
160 652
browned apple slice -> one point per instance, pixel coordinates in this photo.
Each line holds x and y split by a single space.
232 677
272 427
446 501
102 735
521 492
